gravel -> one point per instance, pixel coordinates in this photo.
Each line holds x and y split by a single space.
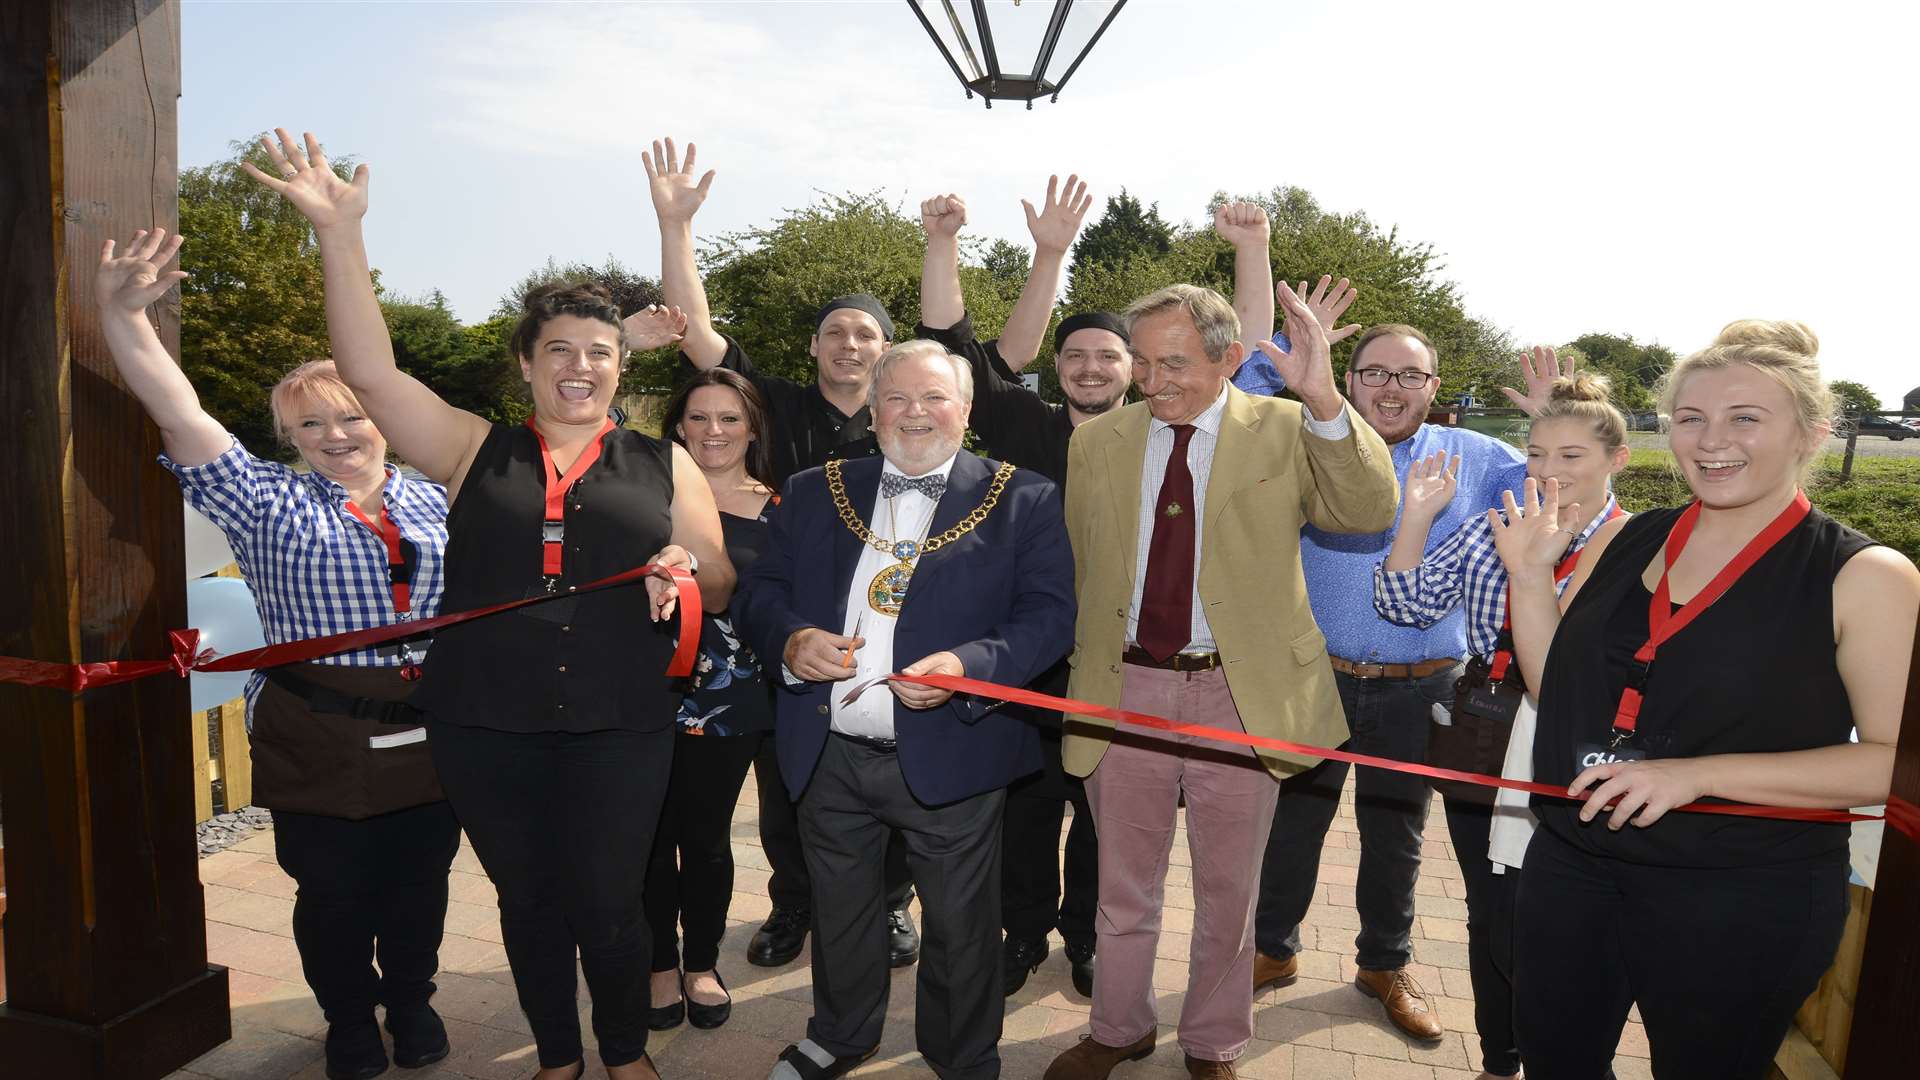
222 831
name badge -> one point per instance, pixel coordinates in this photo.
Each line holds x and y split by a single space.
1587 755
1498 702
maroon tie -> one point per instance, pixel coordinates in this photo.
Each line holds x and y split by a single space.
1166 604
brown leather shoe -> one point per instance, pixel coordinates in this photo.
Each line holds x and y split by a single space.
1202 1069
1093 1060
1406 1003
1268 971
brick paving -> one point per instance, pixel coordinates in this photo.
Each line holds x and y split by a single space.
1321 1028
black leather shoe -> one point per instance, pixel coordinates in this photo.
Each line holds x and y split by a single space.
780 938
354 1050
707 1016
1080 960
1019 958
903 941
419 1037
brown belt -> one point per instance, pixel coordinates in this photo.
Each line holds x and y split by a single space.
1419 670
1140 657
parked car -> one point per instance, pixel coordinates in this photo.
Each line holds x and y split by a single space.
1645 421
1873 424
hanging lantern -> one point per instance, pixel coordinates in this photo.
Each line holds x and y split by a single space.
980 38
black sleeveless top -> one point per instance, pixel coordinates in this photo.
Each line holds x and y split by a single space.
587 663
1755 673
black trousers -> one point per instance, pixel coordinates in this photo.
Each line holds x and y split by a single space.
1718 959
563 823
1389 718
790 886
367 890
1489 933
690 879
856 798
1032 901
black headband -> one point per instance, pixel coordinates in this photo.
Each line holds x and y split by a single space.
1087 320
859 302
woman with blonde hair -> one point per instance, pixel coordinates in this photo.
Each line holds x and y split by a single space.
339 753
1579 439
1726 650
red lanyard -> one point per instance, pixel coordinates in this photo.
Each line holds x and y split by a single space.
398 576
553 529
1663 622
1503 656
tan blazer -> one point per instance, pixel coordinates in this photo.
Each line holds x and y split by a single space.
1269 478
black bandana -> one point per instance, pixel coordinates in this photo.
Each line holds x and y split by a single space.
1087 320
859 302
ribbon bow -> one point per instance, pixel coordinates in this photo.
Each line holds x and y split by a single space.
932 485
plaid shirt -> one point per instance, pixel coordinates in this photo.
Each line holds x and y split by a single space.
1465 564
314 569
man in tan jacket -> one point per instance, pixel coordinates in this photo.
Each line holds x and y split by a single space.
1185 513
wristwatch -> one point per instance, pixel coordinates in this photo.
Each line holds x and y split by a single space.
693 563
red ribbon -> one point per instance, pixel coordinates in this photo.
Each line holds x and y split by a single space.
186 657
1901 814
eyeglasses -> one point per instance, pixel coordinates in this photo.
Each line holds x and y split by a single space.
1378 376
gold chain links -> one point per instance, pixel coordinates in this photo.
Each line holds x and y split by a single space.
838 490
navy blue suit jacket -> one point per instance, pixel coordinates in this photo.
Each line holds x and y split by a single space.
1000 598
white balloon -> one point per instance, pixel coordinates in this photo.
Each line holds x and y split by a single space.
207 547
222 609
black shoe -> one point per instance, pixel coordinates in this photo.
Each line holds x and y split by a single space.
903 941
354 1050
1080 960
419 1037
1019 958
667 1017
707 1016
780 938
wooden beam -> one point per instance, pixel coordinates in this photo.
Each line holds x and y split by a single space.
1885 1041
107 973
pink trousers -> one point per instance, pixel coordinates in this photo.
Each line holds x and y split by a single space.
1135 792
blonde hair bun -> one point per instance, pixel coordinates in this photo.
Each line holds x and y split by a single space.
1582 386
1787 336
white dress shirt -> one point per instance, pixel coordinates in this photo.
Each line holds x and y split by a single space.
1200 448
871 714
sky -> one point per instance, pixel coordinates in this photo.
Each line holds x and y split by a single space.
1647 168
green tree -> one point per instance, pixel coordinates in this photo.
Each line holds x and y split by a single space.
1853 397
1125 233
252 309
1634 369
765 284
467 366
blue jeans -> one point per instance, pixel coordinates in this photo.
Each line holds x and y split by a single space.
1388 718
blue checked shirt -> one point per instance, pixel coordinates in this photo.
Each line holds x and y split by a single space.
1465 565
313 568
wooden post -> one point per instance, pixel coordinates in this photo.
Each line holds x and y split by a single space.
107 972
1853 436
1885 1041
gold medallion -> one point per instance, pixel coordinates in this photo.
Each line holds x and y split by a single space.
887 592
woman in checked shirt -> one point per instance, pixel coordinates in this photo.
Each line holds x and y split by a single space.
351 543
1579 438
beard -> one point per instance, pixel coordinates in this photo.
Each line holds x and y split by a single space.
919 457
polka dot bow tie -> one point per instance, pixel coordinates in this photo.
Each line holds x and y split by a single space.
932 485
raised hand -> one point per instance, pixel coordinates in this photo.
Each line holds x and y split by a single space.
1242 224
1328 301
133 281
677 196
1058 221
1535 534
654 327
1430 485
309 183
943 215
1539 366
1308 368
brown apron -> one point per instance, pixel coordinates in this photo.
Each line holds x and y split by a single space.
340 742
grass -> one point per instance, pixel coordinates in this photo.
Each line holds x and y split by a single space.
1882 500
